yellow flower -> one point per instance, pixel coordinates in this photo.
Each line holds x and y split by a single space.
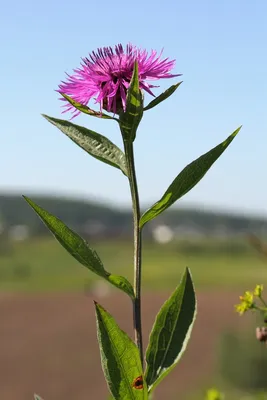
247 298
241 308
258 290
246 303
214 394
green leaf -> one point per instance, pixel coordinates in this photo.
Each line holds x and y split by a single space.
86 110
163 96
130 119
79 248
36 397
119 357
187 179
92 142
171 332
150 396
121 283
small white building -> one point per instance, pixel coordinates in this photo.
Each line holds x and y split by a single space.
18 233
163 234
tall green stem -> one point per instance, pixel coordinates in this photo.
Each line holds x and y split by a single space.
129 153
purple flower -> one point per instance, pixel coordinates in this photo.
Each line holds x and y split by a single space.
105 76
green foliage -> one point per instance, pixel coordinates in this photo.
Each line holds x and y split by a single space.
79 249
171 332
92 142
163 96
243 362
187 179
36 397
120 359
86 110
130 119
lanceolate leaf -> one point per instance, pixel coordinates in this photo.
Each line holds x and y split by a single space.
130 119
120 359
163 96
171 332
92 142
187 179
79 248
86 110
36 397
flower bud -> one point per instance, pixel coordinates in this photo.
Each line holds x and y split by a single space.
261 334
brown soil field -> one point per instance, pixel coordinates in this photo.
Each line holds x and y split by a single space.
48 344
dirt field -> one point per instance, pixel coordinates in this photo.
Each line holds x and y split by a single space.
48 344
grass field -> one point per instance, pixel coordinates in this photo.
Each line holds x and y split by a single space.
43 265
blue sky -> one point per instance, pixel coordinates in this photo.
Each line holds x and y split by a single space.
219 47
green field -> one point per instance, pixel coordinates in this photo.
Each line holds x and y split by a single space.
43 265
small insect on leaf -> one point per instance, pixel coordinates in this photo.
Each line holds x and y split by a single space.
138 383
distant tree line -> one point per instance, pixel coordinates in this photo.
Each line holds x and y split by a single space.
80 214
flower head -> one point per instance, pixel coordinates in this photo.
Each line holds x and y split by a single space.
214 394
105 76
258 290
246 303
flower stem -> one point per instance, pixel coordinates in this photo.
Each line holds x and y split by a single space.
263 301
129 154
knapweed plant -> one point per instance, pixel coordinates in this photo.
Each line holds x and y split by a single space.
117 80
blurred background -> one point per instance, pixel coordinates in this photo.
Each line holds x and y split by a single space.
47 333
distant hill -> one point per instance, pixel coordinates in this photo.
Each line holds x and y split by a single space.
94 219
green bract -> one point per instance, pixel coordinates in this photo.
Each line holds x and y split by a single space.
130 119
163 96
86 110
